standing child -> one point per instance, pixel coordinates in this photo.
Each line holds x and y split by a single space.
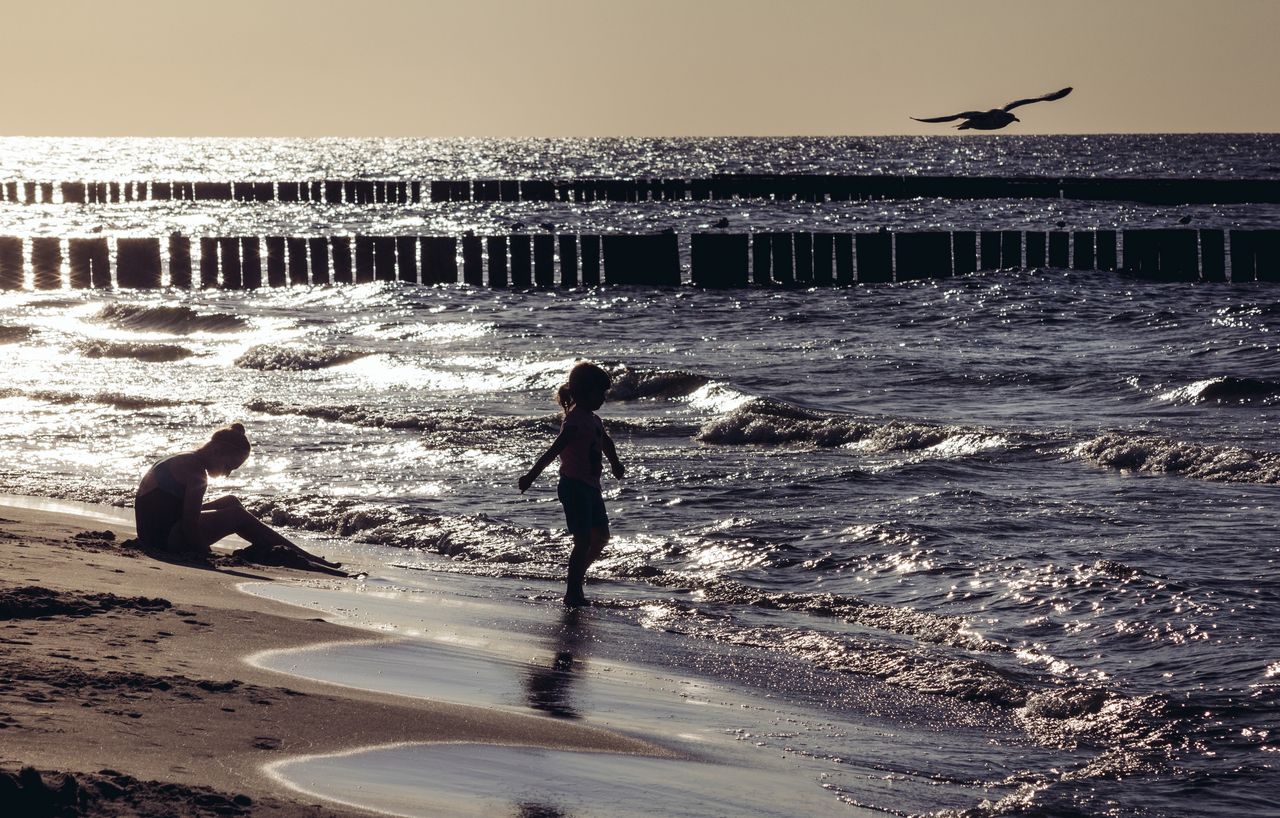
582 446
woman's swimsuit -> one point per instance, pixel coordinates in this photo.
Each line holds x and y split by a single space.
159 511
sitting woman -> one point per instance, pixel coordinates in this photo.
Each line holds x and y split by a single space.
172 516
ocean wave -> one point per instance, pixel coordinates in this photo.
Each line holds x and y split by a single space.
1227 390
458 427
14 334
171 319
267 357
765 422
113 399
153 353
1155 455
635 384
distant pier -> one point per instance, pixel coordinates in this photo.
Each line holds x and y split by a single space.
706 259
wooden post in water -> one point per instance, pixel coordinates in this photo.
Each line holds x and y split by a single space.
497 246
875 257
802 244
229 257
568 260
922 255
46 263
12 275
73 192
343 262
161 191
1059 249
964 252
138 263
761 259
364 259
1011 250
1179 255
843 243
1082 256
1037 249
989 255
251 266
384 258
289 191
407 258
275 250
823 268
319 263
544 255
296 259
590 250
1141 256
473 261
718 260
1213 256
521 247
1105 250
652 260
90 263
208 262
28 193
1255 255
783 263
179 261
439 260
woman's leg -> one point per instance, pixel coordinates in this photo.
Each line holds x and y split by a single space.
234 518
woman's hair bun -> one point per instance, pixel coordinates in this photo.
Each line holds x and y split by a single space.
233 437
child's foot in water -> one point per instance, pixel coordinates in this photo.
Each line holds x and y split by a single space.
576 599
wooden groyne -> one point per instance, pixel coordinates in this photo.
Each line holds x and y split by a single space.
545 260
811 188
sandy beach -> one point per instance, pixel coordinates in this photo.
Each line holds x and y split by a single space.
124 690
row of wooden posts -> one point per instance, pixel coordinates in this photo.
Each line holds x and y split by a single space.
571 260
815 188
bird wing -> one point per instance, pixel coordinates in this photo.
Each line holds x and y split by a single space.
1045 98
961 115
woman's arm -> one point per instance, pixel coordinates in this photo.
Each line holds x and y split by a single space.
196 482
557 446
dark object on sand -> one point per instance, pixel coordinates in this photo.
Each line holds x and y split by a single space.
996 118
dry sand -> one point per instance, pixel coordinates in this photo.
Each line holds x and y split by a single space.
123 689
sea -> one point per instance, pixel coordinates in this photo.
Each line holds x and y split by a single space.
997 545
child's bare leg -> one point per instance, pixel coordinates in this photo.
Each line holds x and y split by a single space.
579 561
599 538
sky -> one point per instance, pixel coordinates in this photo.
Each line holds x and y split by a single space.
580 68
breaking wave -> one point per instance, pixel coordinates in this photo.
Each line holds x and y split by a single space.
172 319
1155 455
765 422
1227 390
457 427
266 357
153 353
115 400
635 384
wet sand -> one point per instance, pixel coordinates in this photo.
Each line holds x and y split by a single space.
125 690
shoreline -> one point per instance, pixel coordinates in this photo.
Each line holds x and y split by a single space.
139 671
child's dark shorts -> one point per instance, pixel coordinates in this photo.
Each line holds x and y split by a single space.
583 506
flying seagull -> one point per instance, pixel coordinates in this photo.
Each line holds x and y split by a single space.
996 118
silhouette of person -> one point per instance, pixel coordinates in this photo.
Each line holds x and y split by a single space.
582 446
172 516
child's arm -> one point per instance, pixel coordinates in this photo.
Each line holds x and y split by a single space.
612 453
549 455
